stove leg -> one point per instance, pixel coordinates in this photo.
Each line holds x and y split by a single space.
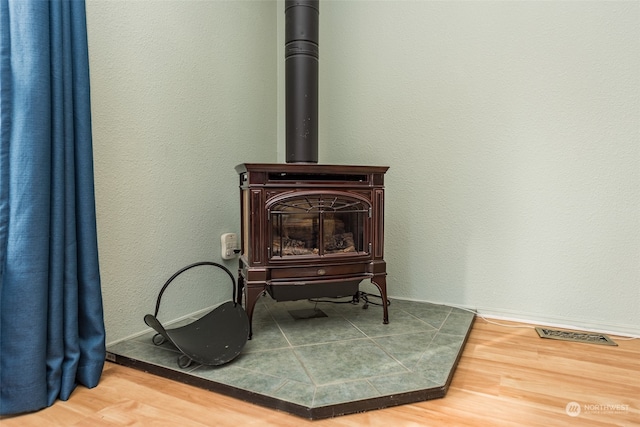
381 282
252 293
240 290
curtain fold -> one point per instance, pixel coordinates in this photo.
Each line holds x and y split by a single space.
52 334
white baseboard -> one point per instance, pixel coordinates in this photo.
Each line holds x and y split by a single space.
196 314
631 331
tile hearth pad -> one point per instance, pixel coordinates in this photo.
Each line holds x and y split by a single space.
321 367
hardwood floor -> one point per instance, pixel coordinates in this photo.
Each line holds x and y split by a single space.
506 377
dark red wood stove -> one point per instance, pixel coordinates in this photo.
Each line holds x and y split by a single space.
310 231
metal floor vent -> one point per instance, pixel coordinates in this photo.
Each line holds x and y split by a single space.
584 337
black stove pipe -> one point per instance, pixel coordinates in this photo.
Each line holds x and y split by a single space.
301 80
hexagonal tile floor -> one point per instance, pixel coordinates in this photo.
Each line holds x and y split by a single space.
321 367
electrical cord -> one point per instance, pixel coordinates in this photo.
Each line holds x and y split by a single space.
357 297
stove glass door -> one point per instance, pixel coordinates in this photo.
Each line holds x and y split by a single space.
319 224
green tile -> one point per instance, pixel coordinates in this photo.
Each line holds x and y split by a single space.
401 383
457 323
432 314
400 322
439 359
261 311
319 330
165 355
346 361
266 336
344 392
408 349
282 363
241 378
296 392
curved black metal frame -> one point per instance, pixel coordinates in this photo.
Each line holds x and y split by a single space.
196 341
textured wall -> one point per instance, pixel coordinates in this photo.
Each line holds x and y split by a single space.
513 134
511 128
181 93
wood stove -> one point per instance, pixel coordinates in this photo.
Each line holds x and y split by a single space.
310 231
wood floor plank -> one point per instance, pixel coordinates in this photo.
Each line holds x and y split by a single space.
506 377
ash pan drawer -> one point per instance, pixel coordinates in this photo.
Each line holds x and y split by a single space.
321 271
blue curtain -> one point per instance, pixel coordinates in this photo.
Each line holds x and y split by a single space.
51 319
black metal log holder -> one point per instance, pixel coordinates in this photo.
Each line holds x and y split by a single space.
215 339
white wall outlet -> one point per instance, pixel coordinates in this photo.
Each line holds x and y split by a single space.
229 244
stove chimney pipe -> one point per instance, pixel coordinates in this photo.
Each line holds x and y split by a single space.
301 76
